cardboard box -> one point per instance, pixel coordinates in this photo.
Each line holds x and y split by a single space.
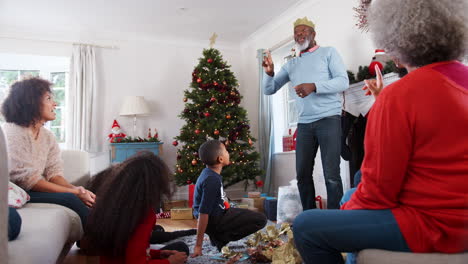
168 205
181 213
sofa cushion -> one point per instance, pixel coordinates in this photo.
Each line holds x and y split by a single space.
46 229
377 256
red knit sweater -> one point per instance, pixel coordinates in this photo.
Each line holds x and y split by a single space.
416 161
137 248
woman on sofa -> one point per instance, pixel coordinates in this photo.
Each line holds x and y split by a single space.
121 222
413 195
34 156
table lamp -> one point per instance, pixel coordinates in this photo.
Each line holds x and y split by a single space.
134 106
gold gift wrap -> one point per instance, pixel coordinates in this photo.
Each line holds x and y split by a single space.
181 213
269 246
168 205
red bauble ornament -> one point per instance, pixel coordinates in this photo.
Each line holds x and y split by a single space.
194 162
179 157
228 116
185 99
175 143
199 80
181 170
189 182
212 99
215 83
207 114
210 60
216 132
259 184
241 153
197 131
233 93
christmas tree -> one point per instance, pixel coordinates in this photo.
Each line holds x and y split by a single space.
212 111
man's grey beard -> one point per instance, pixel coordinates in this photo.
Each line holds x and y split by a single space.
304 45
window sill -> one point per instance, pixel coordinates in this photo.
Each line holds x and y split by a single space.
285 153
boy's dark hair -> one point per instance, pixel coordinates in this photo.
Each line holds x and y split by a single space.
209 152
23 104
131 191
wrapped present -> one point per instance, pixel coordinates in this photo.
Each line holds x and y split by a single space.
168 205
191 189
253 194
253 209
163 215
181 213
270 208
248 201
321 202
258 203
244 206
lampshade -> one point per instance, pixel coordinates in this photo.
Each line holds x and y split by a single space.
134 106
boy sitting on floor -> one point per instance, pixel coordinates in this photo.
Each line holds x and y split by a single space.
220 223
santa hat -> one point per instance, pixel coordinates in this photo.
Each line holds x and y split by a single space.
379 51
115 124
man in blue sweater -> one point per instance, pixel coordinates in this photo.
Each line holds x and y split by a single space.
318 75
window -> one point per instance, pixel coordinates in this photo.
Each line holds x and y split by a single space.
283 102
55 69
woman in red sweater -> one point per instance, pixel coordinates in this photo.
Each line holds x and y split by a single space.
121 223
414 190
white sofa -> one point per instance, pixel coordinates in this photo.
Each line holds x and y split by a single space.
48 231
378 256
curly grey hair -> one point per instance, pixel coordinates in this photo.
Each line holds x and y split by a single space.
420 32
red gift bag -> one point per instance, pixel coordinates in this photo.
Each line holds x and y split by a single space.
319 202
191 188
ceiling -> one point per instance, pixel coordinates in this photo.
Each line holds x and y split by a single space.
196 20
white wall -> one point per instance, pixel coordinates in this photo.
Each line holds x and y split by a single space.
335 26
159 70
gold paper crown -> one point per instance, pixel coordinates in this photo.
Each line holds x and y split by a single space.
304 21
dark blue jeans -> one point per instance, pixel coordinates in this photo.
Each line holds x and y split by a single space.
325 133
14 223
68 200
321 235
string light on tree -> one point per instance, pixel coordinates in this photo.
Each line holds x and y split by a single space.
213 111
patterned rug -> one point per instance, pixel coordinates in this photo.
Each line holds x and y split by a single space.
210 252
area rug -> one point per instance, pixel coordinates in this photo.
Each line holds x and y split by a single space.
209 251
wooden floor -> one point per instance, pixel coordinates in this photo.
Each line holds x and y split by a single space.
74 256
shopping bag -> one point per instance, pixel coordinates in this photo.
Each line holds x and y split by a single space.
289 203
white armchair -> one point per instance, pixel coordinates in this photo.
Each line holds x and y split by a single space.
48 230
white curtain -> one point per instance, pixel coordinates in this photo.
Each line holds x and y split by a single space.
265 131
82 99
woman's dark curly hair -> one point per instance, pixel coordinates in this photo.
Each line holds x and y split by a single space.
23 104
132 189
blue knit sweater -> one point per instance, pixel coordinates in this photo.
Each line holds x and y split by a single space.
325 68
